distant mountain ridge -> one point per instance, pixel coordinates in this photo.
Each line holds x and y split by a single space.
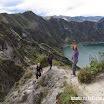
79 18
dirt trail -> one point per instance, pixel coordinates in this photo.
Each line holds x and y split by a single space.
95 89
54 81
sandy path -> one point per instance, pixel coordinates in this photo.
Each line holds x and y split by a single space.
95 89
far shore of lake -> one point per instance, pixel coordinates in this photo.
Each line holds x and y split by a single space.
82 43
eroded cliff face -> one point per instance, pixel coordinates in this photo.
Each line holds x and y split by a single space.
8 39
9 71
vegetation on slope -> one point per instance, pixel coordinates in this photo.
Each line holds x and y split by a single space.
89 73
65 96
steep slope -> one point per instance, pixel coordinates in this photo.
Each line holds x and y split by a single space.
9 71
16 47
75 32
8 40
16 53
9 74
32 27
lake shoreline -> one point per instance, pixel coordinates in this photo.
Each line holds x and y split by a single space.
82 43
86 51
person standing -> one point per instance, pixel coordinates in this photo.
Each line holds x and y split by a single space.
50 58
74 58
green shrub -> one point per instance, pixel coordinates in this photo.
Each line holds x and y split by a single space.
96 66
87 74
28 74
84 76
65 96
43 60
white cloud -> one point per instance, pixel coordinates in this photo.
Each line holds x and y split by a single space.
56 7
50 7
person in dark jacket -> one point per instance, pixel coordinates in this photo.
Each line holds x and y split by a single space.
50 58
38 71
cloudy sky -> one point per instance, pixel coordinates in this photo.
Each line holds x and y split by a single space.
55 7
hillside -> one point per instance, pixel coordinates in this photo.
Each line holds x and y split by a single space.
17 53
32 27
55 31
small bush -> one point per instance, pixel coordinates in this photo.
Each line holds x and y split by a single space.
43 60
28 74
96 66
65 97
84 76
87 74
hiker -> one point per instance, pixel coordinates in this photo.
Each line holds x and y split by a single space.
50 58
74 58
38 71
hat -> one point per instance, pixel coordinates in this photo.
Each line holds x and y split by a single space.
73 47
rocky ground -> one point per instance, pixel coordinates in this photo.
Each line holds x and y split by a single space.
45 89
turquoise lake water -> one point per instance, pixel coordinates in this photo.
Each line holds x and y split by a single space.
85 53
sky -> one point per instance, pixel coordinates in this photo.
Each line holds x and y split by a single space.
54 7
